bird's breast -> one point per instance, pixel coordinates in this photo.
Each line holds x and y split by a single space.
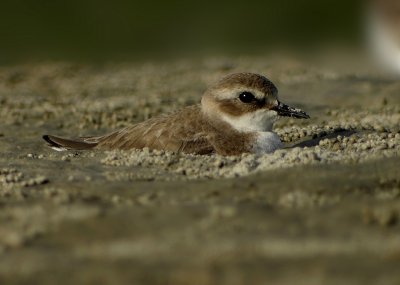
266 142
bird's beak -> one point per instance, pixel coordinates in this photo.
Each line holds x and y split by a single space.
286 111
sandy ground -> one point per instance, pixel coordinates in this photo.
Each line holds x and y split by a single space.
324 210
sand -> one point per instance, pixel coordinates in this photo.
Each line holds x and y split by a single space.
323 210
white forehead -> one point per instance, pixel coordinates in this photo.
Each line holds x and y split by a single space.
233 92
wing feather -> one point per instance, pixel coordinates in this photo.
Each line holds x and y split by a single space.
182 131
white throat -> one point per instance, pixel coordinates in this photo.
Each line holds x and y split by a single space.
259 122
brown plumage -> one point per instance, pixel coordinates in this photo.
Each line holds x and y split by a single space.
199 129
183 131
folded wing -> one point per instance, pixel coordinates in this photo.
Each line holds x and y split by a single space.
183 131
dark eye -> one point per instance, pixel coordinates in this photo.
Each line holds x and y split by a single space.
246 97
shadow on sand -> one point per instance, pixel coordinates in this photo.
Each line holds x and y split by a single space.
314 141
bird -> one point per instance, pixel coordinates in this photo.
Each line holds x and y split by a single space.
383 31
235 116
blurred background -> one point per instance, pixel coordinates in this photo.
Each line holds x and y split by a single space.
141 30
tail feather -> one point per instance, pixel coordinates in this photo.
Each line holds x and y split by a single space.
62 144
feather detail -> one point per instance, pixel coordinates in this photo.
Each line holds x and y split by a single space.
62 144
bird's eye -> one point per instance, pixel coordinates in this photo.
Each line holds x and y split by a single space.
246 97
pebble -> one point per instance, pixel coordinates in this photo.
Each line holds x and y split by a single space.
40 180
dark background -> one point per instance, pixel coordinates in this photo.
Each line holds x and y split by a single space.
104 30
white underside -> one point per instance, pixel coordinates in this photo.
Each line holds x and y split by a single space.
267 142
259 122
58 148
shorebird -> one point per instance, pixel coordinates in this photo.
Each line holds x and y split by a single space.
236 115
383 27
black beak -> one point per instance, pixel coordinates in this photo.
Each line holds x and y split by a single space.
286 111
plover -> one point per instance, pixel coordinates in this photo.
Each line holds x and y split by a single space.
383 27
235 116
